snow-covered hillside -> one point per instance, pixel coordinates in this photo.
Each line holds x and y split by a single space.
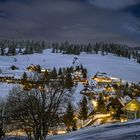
113 65
126 131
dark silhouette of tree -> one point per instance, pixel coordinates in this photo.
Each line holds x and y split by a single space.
38 110
24 76
101 104
54 73
69 118
68 81
60 71
3 119
2 51
84 71
83 113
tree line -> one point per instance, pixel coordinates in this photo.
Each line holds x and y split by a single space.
104 48
13 47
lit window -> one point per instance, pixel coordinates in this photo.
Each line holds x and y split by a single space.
133 107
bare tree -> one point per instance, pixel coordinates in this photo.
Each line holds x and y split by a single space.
38 110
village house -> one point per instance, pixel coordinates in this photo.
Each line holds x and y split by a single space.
88 92
6 77
77 76
132 109
114 106
102 78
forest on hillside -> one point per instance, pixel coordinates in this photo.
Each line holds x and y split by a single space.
14 47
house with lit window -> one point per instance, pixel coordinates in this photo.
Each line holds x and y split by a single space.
102 78
132 109
6 77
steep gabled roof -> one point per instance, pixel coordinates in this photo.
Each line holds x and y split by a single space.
116 101
133 101
86 90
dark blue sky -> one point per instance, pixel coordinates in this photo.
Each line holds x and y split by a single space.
73 20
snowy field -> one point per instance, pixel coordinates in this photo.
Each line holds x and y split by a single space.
113 65
4 89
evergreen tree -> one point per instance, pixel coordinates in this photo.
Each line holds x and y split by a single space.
69 81
43 45
24 81
71 69
60 71
81 67
83 114
102 52
138 60
24 76
38 68
2 51
31 50
13 67
13 51
69 119
54 73
20 50
101 104
84 71
0 70
26 51
46 75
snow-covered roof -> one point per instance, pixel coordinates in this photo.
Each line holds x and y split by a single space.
87 90
115 79
138 99
6 75
126 99
98 90
92 82
102 74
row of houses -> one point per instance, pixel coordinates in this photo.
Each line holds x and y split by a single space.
7 77
128 107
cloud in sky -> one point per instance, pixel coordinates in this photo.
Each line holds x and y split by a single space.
74 20
114 4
